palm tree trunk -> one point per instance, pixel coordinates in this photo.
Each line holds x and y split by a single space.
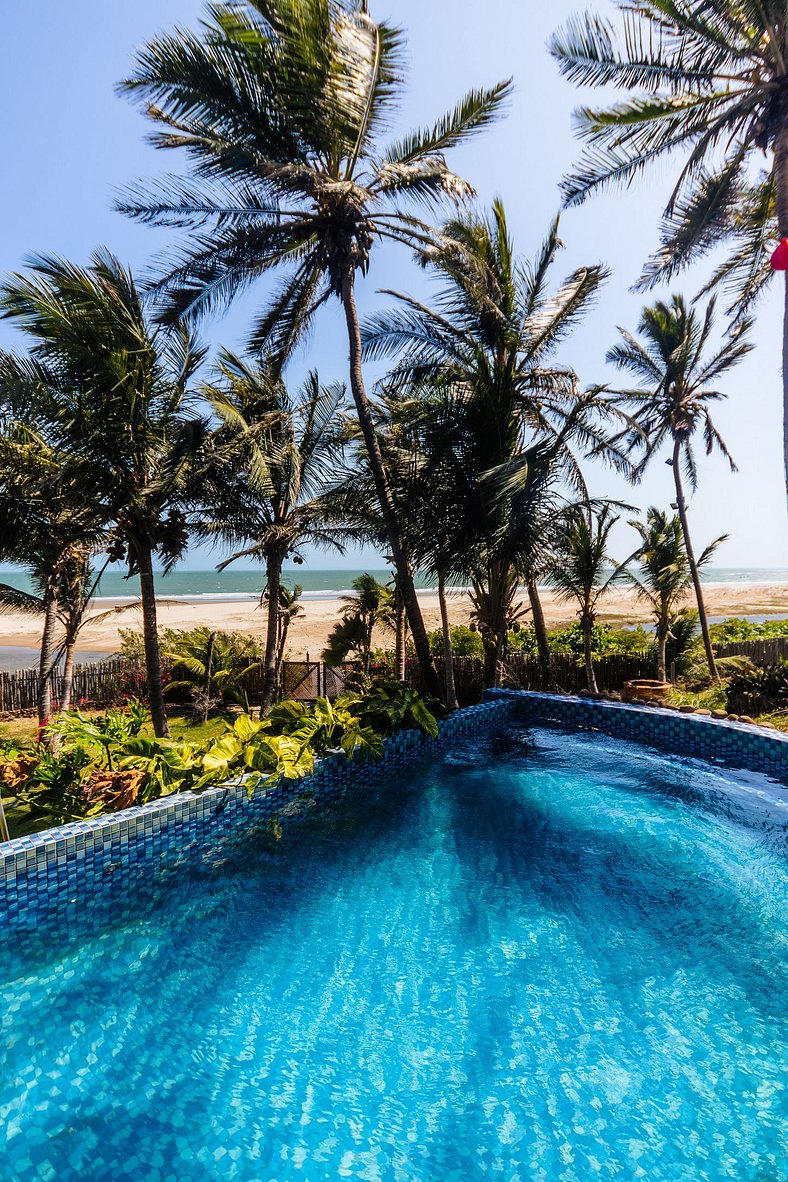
46 657
208 671
150 636
662 641
399 643
273 572
500 602
540 629
363 410
280 646
68 674
587 625
448 651
682 508
781 178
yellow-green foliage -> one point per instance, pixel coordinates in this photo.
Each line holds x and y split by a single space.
108 761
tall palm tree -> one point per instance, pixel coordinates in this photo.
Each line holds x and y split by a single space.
281 106
278 462
676 369
111 391
706 80
476 376
664 575
580 569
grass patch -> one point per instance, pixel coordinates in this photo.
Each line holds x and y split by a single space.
182 728
712 698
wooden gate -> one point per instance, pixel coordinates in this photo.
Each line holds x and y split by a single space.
301 680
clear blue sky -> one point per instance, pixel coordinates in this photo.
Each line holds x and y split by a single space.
69 144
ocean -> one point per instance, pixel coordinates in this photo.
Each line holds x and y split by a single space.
241 585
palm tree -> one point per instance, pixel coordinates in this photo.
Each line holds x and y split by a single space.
579 569
111 391
49 528
664 574
371 605
69 596
281 106
708 80
475 375
278 462
672 403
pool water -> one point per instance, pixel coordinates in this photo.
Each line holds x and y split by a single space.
543 957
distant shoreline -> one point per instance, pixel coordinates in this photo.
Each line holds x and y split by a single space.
313 596
309 632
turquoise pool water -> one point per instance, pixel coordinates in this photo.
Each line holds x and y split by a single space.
545 957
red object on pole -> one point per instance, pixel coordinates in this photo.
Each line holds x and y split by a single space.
779 259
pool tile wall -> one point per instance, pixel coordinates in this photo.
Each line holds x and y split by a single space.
78 872
88 867
714 740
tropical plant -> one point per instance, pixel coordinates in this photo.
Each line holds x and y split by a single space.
281 105
111 392
664 575
490 413
682 639
217 664
672 404
709 79
755 691
278 458
371 605
107 763
580 569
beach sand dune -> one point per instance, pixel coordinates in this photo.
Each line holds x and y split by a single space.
308 633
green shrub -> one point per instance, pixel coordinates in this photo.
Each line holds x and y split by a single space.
758 691
734 629
605 641
465 642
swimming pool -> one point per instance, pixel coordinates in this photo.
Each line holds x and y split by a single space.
544 955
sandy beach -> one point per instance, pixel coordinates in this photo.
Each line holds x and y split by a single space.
308 633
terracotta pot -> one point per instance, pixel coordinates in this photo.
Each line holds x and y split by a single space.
643 689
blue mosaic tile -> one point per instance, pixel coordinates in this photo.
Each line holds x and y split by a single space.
50 876
715 740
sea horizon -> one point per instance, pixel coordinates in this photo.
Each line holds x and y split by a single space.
210 585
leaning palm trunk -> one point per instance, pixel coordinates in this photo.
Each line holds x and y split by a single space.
540 629
682 508
587 626
45 665
404 575
150 636
274 580
448 651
